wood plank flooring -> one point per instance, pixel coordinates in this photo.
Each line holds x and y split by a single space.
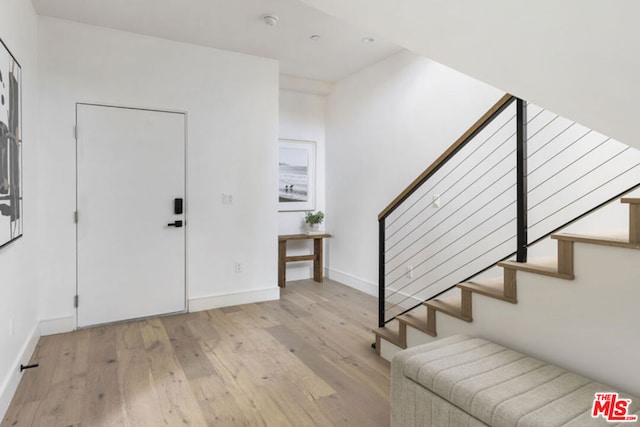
305 360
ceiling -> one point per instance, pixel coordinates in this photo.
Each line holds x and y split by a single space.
237 25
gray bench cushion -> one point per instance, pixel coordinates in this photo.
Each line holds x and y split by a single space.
501 387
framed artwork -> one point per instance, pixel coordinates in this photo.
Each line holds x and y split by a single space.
10 147
297 175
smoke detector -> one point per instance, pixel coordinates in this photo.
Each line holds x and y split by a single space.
270 20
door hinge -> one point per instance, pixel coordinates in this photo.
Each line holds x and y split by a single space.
75 217
75 301
75 132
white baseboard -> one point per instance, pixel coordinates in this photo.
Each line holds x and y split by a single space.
363 285
352 281
57 326
406 298
226 300
10 384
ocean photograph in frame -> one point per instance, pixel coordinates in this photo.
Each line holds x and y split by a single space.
296 175
10 147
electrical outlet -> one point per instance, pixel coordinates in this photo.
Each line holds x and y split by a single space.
227 199
409 272
238 267
436 201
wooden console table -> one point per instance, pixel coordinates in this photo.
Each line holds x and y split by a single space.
316 257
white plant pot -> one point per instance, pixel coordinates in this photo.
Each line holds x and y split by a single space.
314 229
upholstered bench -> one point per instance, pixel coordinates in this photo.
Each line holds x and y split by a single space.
467 382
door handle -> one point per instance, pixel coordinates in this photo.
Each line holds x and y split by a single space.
176 224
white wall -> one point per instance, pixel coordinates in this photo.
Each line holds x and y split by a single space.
576 57
232 105
385 125
18 282
302 117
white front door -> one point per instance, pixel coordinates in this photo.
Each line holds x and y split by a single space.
130 169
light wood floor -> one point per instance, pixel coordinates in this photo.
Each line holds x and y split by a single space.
304 360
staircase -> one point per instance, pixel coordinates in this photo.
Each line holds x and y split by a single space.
519 178
459 302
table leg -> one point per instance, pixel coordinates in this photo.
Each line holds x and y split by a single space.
282 264
317 262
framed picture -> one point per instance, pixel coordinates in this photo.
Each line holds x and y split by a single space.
10 147
297 175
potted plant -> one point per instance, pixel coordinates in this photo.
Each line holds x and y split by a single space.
313 221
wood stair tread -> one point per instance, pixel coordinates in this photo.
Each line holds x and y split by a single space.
630 200
493 287
390 336
451 305
543 266
418 320
617 240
